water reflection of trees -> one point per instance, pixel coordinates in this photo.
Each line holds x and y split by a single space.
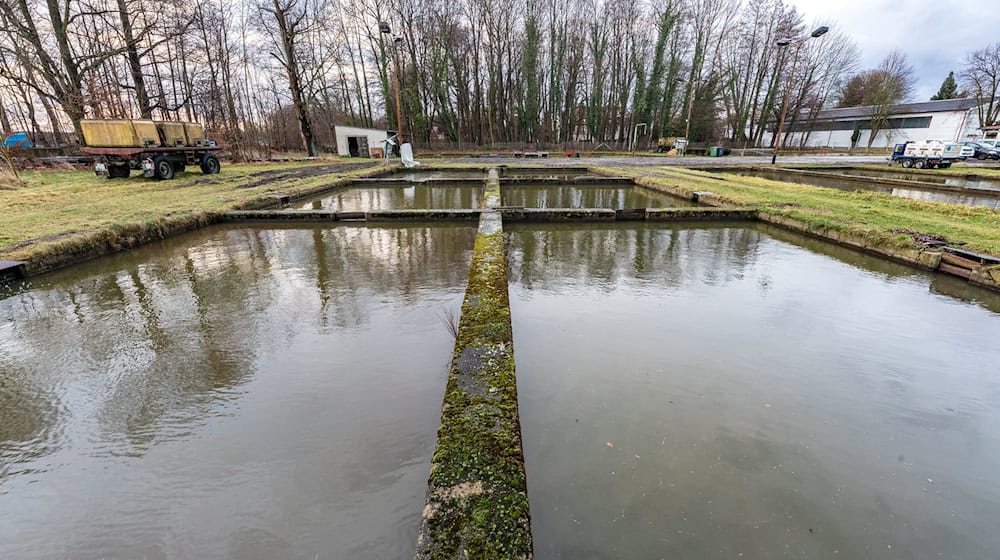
395 197
589 196
149 345
550 256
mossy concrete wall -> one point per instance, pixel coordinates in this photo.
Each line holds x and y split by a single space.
477 494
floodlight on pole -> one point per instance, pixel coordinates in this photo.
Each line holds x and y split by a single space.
819 31
386 29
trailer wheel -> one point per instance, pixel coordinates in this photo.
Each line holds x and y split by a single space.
907 163
920 164
163 168
210 165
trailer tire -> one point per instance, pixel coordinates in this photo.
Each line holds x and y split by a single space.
920 164
907 163
163 168
210 164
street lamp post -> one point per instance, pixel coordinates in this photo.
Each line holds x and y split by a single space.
784 104
687 127
383 27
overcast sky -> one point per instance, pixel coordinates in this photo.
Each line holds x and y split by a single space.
934 34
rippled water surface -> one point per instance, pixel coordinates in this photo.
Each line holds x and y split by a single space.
233 393
739 392
914 193
588 196
421 197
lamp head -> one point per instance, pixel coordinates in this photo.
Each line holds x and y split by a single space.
820 31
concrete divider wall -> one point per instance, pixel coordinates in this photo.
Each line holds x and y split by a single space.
477 495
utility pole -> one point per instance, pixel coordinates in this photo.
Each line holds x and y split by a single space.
385 29
784 104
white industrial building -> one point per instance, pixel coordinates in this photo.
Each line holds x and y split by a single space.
355 141
950 119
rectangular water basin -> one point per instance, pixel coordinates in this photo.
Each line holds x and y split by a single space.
711 392
588 195
231 393
915 192
397 197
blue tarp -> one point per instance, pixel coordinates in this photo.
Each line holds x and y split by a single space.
17 140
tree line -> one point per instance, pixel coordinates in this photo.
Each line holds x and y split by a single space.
269 75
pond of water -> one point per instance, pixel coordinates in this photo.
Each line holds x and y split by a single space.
929 177
588 196
232 393
737 392
915 193
396 197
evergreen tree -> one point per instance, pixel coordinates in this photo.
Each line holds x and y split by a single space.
949 89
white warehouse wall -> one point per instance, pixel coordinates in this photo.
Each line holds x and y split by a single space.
955 126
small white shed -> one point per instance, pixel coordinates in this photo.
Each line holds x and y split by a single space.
353 141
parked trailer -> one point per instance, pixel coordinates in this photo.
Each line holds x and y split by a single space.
929 154
159 149
159 163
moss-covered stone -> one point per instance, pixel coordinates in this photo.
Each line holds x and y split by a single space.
477 501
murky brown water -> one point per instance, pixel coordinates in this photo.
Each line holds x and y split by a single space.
422 197
551 172
436 174
742 392
233 393
929 177
588 196
833 182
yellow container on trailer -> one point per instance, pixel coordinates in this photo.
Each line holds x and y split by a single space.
109 133
195 134
146 133
172 133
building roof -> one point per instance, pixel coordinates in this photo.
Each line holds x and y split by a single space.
945 105
380 130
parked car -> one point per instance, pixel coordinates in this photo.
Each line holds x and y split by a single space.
967 151
982 150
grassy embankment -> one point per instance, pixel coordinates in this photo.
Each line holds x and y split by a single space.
876 218
57 214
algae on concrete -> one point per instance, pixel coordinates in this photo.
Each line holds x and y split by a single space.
477 500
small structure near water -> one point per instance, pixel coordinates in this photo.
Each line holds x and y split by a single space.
353 141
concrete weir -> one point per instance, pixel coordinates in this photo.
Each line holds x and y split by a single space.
477 495
402 215
536 215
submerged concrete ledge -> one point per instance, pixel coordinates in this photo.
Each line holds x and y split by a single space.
558 214
11 270
440 215
477 493
543 215
404 215
700 214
